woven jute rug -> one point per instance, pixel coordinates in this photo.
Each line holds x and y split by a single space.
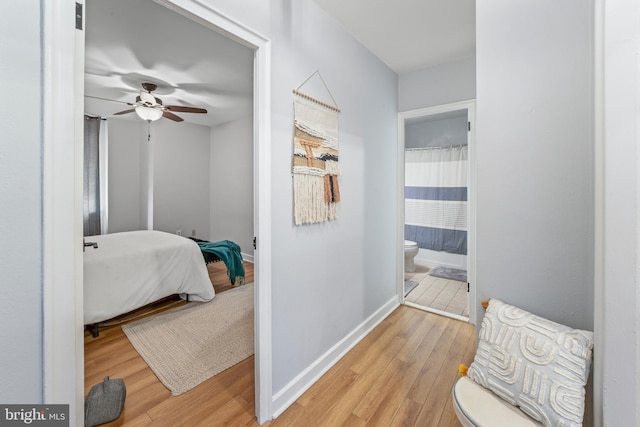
189 344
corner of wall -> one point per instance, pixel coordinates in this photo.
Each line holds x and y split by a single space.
303 381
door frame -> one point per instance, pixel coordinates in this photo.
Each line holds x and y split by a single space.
403 116
63 105
62 130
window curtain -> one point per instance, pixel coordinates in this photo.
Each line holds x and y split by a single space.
436 198
94 192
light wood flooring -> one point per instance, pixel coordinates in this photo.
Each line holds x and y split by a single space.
400 374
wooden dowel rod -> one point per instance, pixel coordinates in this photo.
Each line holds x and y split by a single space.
317 101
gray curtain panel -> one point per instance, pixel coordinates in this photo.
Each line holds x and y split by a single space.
91 178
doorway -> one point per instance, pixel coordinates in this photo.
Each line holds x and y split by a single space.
436 204
187 63
62 357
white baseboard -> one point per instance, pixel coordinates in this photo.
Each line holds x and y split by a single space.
247 257
301 383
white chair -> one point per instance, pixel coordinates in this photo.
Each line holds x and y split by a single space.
527 372
475 406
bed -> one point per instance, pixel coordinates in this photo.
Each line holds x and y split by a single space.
131 269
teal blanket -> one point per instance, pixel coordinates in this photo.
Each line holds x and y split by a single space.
229 253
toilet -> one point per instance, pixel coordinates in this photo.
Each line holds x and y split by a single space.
410 251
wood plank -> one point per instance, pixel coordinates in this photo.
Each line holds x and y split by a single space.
232 413
407 413
360 392
387 396
323 404
136 404
416 339
434 408
424 383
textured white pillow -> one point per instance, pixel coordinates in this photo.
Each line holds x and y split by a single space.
533 363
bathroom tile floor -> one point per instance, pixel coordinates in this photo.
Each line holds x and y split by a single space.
434 292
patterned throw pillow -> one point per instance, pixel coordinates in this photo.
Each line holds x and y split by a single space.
533 363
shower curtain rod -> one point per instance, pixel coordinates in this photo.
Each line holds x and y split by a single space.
434 148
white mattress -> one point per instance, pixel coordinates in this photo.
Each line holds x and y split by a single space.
132 269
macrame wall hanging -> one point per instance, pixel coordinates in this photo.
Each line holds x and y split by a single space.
316 192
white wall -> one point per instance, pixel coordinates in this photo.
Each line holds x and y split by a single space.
328 278
181 178
254 14
535 237
443 84
124 175
21 263
443 132
232 184
535 151
177 159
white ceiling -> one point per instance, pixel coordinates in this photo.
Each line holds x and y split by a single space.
131 42
409 35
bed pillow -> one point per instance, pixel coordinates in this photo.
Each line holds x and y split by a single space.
533 363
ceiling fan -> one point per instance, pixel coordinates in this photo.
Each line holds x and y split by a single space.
150 108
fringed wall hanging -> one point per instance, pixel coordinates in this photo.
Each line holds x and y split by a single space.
316 191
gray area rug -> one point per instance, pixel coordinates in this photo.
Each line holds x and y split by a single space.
409 285
190 344
449 273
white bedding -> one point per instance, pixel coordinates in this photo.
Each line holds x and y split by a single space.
132 269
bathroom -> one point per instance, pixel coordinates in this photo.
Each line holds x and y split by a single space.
436 211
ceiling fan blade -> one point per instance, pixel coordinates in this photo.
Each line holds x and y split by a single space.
183 109
171 116
124 112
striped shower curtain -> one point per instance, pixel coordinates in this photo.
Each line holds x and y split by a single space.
435 198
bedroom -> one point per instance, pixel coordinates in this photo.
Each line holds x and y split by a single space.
191 177
288 73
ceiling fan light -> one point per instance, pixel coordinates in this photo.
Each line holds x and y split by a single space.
149 114
147 98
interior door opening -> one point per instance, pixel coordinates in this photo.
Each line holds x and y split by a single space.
436 201
256 132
